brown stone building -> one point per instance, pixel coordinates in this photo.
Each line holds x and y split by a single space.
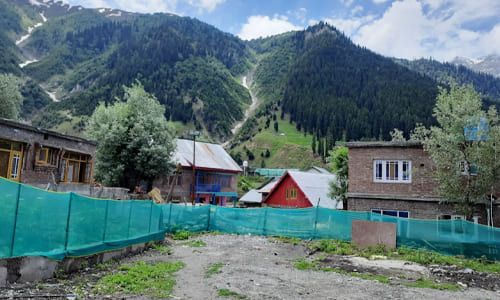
395 178
45 158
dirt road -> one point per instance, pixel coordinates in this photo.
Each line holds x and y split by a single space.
251 267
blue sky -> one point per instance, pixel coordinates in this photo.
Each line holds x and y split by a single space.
441 29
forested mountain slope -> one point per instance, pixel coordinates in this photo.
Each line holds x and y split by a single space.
445 73
331 87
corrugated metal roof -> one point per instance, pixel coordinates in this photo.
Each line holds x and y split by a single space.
266 188
253 196
316 187
315 169
208 156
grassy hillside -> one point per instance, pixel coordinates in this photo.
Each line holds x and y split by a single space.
288 148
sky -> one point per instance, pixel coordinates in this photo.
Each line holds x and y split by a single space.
411 29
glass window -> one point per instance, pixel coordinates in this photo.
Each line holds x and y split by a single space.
392 171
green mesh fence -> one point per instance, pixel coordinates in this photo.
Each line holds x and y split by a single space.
451 237
36 222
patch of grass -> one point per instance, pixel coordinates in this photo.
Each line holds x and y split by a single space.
336 247
162 249
214 269
105 265
289 240
303 264
425 257
154 280
380 278
430 284
180 235
228 293
194 244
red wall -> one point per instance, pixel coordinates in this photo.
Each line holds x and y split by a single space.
278 196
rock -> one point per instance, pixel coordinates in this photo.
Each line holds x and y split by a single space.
463 285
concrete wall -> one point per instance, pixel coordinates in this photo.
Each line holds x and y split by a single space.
37 268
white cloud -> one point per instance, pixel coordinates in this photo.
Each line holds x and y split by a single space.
347 3
379 1
150 6
426 28
208 5
263 26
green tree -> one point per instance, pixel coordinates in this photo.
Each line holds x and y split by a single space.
397 135
465 148
135 139
338 159
10 97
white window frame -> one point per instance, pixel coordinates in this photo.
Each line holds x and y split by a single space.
399 163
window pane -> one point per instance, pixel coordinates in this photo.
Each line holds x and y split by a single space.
378 170
16 158
390 213
404 214
43 155
376 211
63 169
406 170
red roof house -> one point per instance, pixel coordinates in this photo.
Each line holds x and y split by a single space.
300 190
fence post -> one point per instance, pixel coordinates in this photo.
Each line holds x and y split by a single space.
67 221
129 215
150 213
105 221
15 221
264 231
316 220
209 213
170 215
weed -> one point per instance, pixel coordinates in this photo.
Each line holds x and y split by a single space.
155 280
40 286
289 240
228 293
84 264
105 265
162 249
214 269
303 264
194 244
428 283
59 273
180 235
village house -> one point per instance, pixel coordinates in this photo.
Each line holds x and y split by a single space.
215 174
395 178
45 159
297 189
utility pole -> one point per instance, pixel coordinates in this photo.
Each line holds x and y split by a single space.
194 134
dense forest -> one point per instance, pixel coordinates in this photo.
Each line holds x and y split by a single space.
331 87
316 79
446 73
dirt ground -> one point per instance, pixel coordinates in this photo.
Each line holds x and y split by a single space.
255 267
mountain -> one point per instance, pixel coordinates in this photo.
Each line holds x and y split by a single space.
315 87
85 56
333 88
445 73
489 64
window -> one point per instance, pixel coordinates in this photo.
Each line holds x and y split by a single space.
394 213
291 193
466 170
11 155
179 179
46 156
392 171
76 168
